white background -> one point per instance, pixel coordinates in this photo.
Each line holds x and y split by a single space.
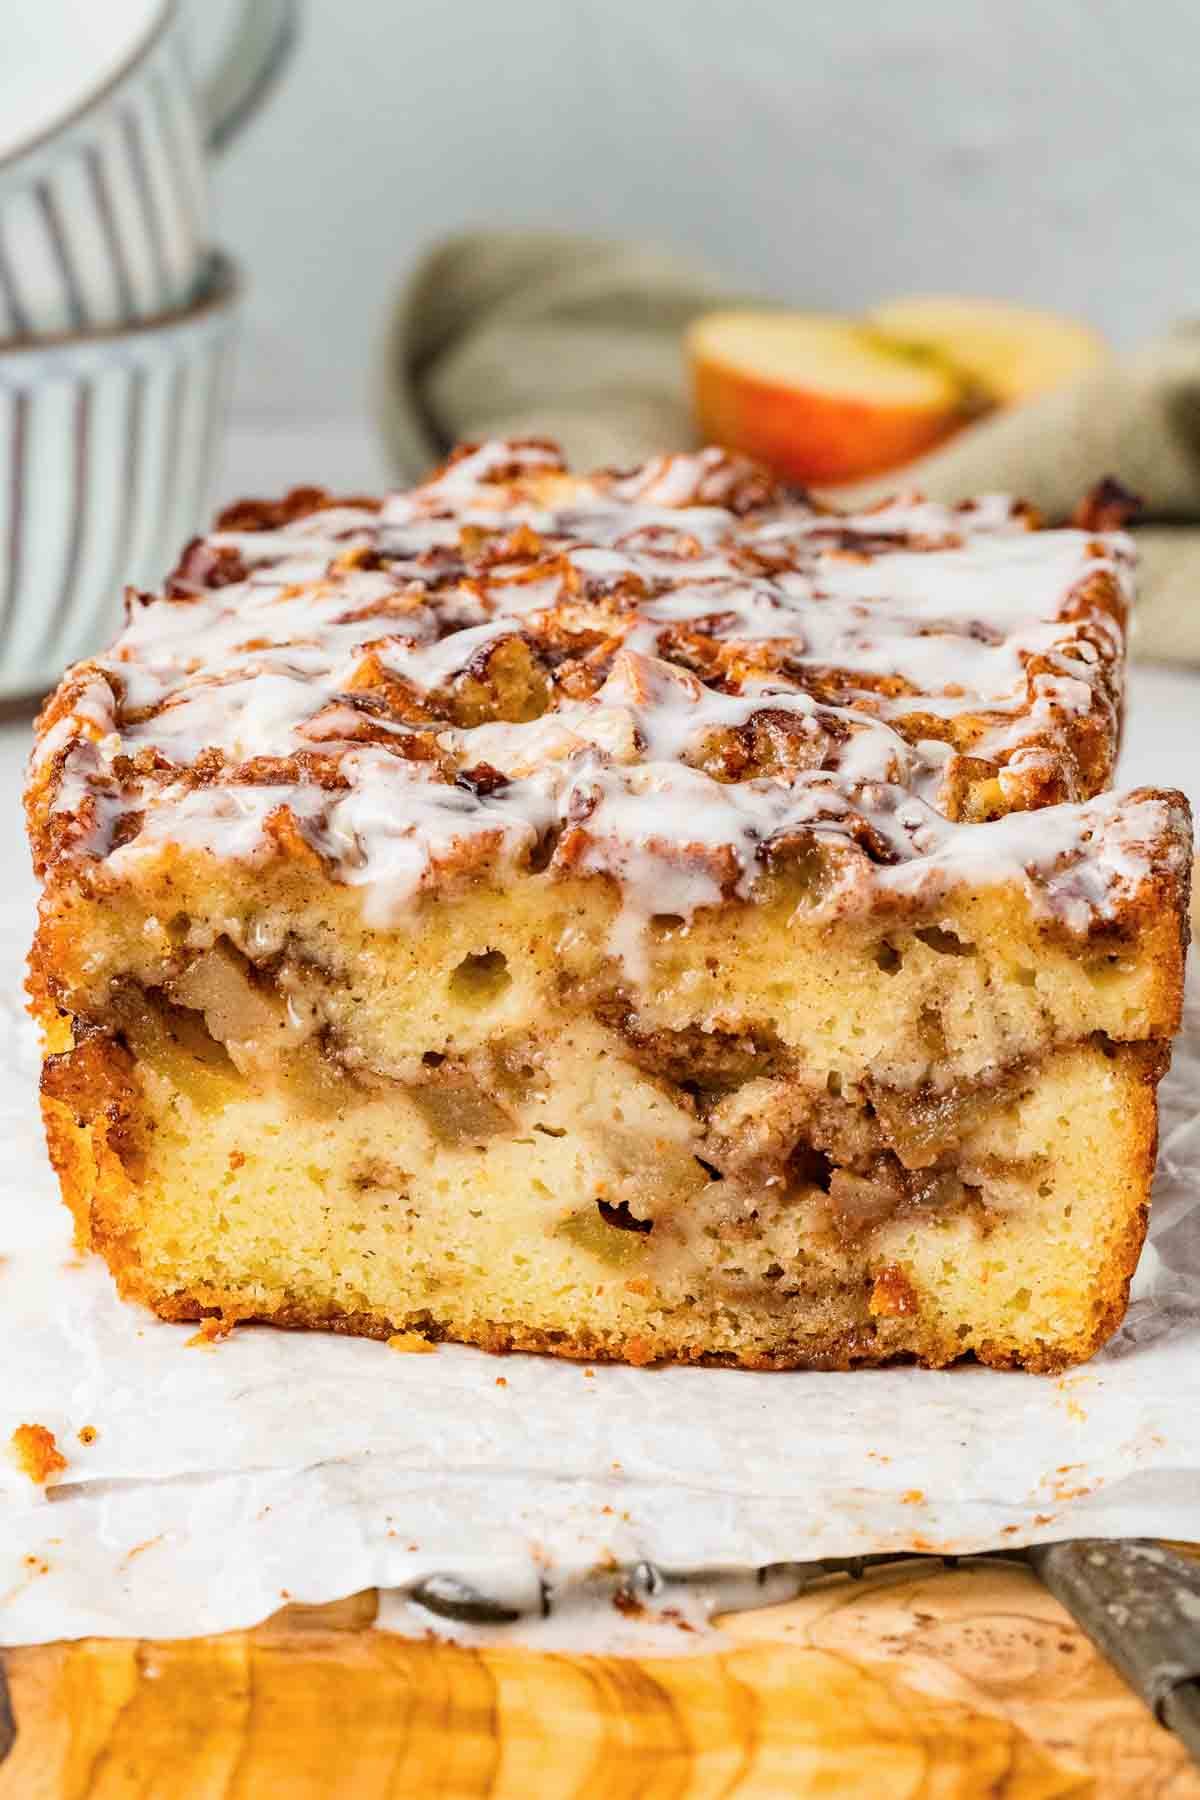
827 151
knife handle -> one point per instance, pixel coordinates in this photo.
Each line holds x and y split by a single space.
1139 1602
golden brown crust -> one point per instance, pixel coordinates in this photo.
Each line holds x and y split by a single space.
864 1347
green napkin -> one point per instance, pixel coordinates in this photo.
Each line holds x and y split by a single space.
520 333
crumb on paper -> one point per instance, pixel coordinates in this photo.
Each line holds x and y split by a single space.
1070 1490
590 1374
212 1331
1044 1518
628 1604
502 1381
237 1159
36 1453
37 1565
411 1343
146 1544
912 1497
87 1434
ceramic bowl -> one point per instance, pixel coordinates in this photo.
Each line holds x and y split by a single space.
105 133
107 444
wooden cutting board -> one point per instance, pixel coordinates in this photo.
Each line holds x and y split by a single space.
919 1681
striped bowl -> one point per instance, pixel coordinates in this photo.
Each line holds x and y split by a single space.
106 221
107 442
104 214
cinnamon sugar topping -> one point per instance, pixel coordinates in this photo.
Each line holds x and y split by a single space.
671 676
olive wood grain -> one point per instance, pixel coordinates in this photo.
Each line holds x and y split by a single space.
915 1682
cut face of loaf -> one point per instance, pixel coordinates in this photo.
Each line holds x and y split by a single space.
785 1137
619 917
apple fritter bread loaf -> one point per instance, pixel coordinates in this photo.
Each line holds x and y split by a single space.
640 916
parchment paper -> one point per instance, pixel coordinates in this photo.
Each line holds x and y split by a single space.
274 1466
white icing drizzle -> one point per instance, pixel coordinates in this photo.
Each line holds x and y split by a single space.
348 633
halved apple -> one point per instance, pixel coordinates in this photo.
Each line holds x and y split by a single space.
820 399
1012 353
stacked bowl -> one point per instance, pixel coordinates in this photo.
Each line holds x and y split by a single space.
116 316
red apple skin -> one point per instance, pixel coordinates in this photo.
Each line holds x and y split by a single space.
813 439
